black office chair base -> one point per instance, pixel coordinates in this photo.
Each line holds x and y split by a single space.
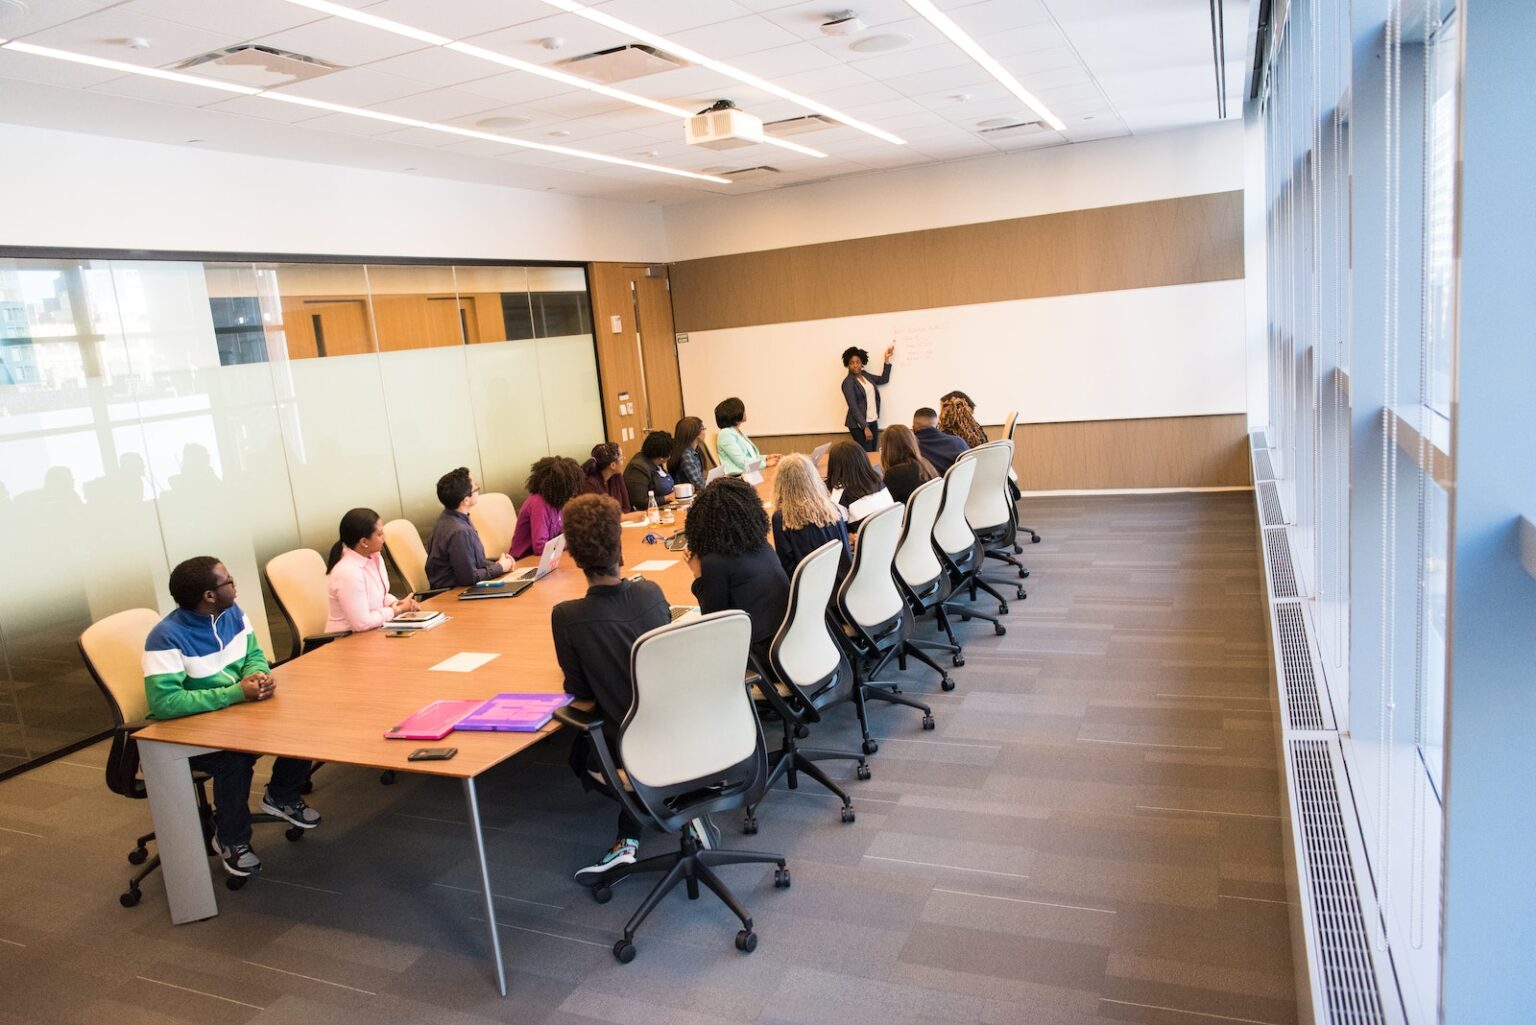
691 866
967 613
1004 554
791 760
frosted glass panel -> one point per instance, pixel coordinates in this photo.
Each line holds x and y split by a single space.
568 373
508 406
427 392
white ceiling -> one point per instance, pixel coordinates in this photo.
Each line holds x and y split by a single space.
1104 67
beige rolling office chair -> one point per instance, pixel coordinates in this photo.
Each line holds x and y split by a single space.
113 650
712 442
403 547
297 580
494 518
1013 481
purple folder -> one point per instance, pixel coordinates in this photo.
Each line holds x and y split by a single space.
515 713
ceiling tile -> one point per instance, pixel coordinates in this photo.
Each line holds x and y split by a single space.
459 19
980 20
437 105
517 87
158 90
522 41
674 15
437 66
41 16
424 137
914 60
805 19
267 110
785 60
342 42
342 124
726 39
236 22
355 87
100 35
26 67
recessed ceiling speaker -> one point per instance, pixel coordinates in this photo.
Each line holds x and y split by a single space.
881 44
10 10
503 122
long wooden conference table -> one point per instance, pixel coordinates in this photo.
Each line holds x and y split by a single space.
334 704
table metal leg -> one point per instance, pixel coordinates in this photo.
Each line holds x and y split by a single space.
485 883
178 830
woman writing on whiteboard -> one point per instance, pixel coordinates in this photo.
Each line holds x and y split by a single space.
861 393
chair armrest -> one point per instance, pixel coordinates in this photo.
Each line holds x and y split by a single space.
123 760
314 641
578 719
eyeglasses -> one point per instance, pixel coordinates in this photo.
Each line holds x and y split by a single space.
228 583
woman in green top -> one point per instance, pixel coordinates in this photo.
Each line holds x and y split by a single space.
736 449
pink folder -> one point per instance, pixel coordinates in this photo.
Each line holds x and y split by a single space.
434 722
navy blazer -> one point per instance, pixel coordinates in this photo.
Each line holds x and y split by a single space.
853 393
939 448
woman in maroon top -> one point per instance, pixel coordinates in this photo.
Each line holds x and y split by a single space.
603 474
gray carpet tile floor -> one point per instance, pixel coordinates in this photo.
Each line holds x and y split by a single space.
1090 835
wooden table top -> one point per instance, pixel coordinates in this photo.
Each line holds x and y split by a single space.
335 703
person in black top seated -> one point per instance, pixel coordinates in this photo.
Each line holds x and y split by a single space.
804 515
903 463
647 472
455 555
593 637
938 448
863 491
732 565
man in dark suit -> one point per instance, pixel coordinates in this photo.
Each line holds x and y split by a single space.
938 448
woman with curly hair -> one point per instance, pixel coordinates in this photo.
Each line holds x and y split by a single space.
957 416
552 482
804 515
602 474
861 392
903 463
732 565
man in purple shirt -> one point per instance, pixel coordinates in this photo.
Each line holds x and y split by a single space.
455 555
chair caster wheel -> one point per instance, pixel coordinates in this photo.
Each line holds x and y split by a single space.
138 856
871 746
746 941
749 825
1023 574
957 661
236 882
602 893
1034 538
928 722
308 787
1002 608
801 731
999 629
848 815
1021 595
131 898
863 770
947 684
624 951
781 878
294 834
965 619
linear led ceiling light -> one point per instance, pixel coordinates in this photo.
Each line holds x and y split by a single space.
694 57
543 71
958 36
337 108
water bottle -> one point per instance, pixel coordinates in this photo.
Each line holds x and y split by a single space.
652 510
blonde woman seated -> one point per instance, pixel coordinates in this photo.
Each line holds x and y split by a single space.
804 515
357 584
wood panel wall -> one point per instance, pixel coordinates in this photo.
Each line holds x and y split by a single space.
1137 245
1161 452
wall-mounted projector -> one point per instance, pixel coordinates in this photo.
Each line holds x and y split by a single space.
723 127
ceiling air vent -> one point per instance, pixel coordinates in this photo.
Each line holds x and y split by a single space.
743 173
621 63
798 125
260 67
1002 126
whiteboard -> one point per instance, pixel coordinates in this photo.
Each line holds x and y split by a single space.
1174 350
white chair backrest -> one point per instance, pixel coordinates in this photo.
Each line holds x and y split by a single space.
869 594
692 715
298 580
403 543
951 532
916 561
494 518
988 506
804 648
114 652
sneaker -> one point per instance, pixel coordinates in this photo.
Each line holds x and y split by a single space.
298 813
705 833
623 853
237 859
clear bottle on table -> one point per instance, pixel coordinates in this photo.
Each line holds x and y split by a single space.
652 510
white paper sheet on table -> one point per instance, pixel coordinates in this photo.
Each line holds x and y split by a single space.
627 523
465 661
656 565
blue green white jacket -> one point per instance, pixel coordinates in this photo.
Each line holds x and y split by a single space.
194 663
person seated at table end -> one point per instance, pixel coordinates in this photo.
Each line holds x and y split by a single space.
356 583
208 635
455 555
593 637
552 482
647 473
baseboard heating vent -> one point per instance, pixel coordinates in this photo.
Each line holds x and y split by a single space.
1258 440
1303 707
1263 468
1269 502
1282 575
1344 951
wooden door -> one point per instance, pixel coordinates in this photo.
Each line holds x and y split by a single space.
658 348
326 327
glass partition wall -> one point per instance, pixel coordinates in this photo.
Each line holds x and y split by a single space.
152 410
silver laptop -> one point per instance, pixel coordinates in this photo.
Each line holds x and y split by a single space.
819 453
553 549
